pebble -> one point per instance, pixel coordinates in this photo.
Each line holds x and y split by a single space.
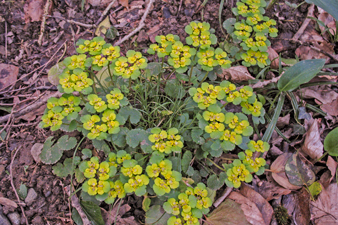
3 218
31 196
14 218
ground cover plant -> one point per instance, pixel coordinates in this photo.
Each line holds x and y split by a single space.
162 124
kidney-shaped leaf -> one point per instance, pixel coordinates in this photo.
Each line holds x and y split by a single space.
300 73
331 142
298 172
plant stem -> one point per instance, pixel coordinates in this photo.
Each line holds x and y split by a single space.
216 165
205 77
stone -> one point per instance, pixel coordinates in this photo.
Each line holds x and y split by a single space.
31 196
38 221
14 218
4 220
35 152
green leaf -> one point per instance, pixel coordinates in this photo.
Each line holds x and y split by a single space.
156 216
214 182
315 189
112 33
119 139
101 146
63 170
229 25
153 69
54 73
76 217
300 73
330 6
79 176
196 136
22 192
66 144
93 212
87 153
298 172
69 128
174 89
146 203
331 142
50 154
186 159
129 112
136 136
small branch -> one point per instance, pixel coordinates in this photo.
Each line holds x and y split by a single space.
43 22
6 39
225 194
305 23
12 184
140 26
73 22
105 12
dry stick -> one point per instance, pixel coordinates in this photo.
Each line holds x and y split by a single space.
6 39
12 183
43 22
305 23
76 204
29 108
224 195
72 21
140 26
105 12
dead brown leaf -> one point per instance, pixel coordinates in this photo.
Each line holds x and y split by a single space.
332 165
7 202
110 216
101 3
263 206
8 74
283 121
274 58
251 212
302 210
313 146
329 21
228 213
325 209
325 178
306 52
262 84
236 74
278 172
331 108
33 10
124 3
271 190
324 95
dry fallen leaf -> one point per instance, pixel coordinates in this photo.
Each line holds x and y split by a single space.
283 121
331 108
228 213
312 144
278 172
35 152
262 84
34 10
329 21
325 209
8 74
110 216
101 3
332 165
274 58
302 215
264 207
271 190
325 96
236 74
7 202
124 3
251 212
103 27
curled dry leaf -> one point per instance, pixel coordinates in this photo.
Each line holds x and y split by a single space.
263 206
228 213
102 3
278 172
331 108
325 209
325 96
329 21
110 216
251 212
262 84
34 10
236 74
8 74
332 165
312 144
282 121
274 58
271 190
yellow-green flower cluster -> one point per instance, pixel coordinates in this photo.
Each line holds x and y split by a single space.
114 98
166 141
252 32
180 56
188 207
129 66
165 179
237 173
93 47
163 46
53 115
206 95
200 35
253 164
75 81
70 105
258 146
116 190
75 61
137 182
98 175
208 58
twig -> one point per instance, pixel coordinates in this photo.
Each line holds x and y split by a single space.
179 8
105 12
224 195
140 26
12 183
76 204
43 22
6 39
305 23
29 108
73 22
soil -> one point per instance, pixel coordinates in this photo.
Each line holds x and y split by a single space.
51 206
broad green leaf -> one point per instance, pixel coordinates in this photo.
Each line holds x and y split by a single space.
229 25
136 136
186 159
156 216
315 189
63 170
93 212
69 128
22 192
331 142
153 69
146 203
76 217
196 135
87 153
330 6
300 73
112 33
174 89
102 76
66 143
50 154
214 182
54 73
119 139
101 146
298 172
129 112
79 176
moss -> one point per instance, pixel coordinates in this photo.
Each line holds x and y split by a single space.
282 216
